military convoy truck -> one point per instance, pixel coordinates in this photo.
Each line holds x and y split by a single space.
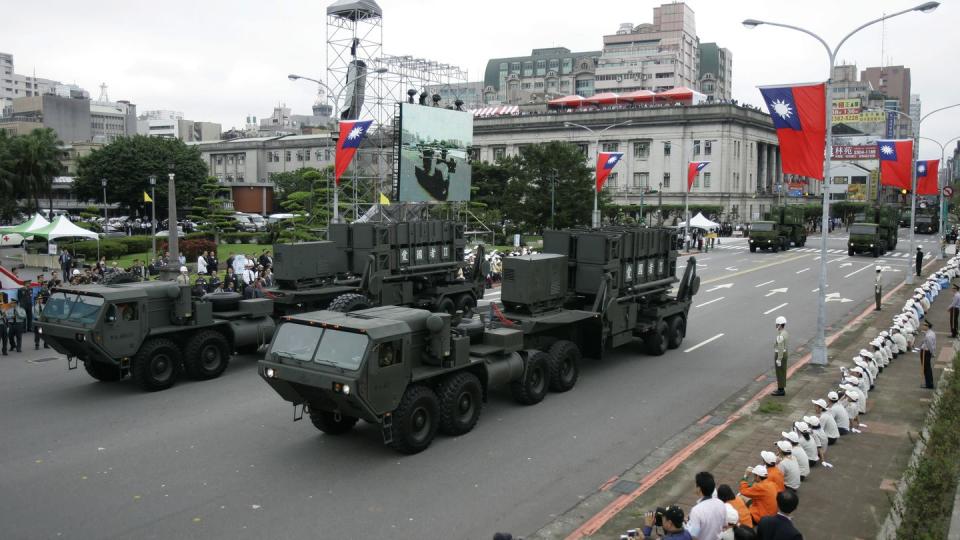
874 231
416 263
783 226
414 373
927 221
153 331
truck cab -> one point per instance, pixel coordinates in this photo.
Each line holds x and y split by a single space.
766 235
866 238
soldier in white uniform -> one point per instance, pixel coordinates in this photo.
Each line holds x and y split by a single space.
827 422
802 460
788 465
807 442
820 436
838 411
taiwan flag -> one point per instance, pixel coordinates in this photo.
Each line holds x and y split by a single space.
927 180
693 169
351 134
606 161
799 115
896 155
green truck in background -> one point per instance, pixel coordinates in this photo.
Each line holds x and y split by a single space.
783 225
927 221
874 231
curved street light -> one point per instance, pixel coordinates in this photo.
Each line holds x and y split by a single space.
819 352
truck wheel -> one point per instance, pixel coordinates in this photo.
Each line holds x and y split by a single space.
102 372
461 399
206 355
776 248
656 340
447 306
467 305
753 248
326 421
156 365
876 251
415 420
531 388
349 302
565 371
675 331
850 252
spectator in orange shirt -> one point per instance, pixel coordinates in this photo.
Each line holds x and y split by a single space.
761 491
725 494
774 474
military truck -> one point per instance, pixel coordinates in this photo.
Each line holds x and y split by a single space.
152 331
874 231
783 226
927 221
417 263
414 373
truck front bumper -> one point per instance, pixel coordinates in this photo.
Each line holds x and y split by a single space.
321 391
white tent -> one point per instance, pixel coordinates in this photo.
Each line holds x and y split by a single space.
62 227
32 224
699 221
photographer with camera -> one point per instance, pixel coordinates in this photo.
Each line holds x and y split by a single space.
670 520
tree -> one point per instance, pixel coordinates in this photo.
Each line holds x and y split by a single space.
128 162
210 208
28 164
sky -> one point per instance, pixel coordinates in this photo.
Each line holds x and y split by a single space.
219 60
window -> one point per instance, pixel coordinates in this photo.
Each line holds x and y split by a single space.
389 354
696 180
609 147
567 65
552 83
565 83
528 69
666 148
664 75
515 67
526 86
219 160
499 152
538 84
541 67
666 180
306 155
299 156
696 147
706 180
612 181
503 66
554 64
584 148
286 155
474 153
707 147
326 154
641 150
641 180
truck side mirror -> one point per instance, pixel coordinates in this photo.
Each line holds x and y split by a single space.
112 314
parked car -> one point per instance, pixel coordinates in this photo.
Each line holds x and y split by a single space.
244 224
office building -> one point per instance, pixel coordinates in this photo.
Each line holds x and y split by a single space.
14 85
715 78
110 120
544 74
891 81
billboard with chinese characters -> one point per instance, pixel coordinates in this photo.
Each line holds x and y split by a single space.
851 111
434 165
865 151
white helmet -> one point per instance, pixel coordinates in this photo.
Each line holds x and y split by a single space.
183 269
781 320
75 272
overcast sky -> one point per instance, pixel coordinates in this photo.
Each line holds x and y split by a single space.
220 60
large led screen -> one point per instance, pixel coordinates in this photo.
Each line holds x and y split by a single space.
433 153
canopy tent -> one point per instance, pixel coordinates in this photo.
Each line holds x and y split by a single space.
62 227
699 221
603 98
681 93
637 96
496 111
566 101
32 224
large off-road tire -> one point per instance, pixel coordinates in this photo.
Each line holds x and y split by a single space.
349 302
565 371
531 387
850 252
326 421
753 248
676 328
461 400
657 340
156 365
876 251
467 306
775 248
223 301
206 355
102 372
415 420
446 305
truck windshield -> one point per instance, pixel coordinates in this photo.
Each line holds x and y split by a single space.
67 306
862 228
323 346
761 227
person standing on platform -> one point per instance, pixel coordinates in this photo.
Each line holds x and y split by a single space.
780 355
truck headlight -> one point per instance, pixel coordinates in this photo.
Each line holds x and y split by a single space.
871 245
768 241
851 244
346 389
270 373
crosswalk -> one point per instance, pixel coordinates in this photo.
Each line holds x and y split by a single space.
893 254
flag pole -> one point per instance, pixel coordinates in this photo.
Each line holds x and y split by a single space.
596 186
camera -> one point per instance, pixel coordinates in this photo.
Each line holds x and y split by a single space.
633 533
658 516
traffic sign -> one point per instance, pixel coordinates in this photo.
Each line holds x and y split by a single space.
948 191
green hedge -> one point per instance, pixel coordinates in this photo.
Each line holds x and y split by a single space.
111 249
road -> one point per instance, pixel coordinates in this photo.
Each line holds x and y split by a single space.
222 459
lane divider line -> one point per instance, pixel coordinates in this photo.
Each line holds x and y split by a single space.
771 310
754 269
710 302
802 271
764 283
857 271
702 343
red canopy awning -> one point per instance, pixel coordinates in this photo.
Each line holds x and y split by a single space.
638 95
567 101
680 92
604 98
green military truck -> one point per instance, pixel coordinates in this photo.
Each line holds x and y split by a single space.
414 373
153 331
783 227
418 264
927 221
874 231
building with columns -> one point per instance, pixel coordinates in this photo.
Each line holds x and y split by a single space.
744 177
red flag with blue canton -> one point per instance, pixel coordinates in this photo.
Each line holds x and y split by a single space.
606 161
895 155
799 115
928 182
352 133
693 169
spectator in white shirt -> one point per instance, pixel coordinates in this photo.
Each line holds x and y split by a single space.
709 515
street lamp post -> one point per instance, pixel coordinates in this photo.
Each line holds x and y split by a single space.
819 352
943 183
173 241
153 218
103 182
336 191
660 205
596 153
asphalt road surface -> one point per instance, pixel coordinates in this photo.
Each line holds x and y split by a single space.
222 458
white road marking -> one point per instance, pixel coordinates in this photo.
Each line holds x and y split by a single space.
724 286
769 311
731 269
844 265
802 271
702 343
764 283
775 291
710 302
860 270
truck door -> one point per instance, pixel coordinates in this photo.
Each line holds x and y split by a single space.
387 375
121 328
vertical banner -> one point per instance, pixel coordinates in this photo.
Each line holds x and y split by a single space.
891 125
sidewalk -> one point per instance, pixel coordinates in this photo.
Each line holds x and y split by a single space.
852 500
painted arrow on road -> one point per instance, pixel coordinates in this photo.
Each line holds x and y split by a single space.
844 265
838 299
724 286
731 269
775 291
